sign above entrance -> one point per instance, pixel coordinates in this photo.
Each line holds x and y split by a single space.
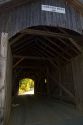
53 9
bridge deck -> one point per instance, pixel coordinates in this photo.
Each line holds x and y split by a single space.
43 111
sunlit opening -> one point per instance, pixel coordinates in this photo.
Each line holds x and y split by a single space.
26 87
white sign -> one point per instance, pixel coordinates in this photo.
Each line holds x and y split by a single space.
53 9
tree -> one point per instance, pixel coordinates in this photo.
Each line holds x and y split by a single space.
25 85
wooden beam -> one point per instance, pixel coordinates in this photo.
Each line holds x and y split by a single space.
49 53
3 75
54 65
33 67
17 63
76 45
32 57
58 46
75 50
54 50
16 39
71 40
24 44
26 48
49 59
49 34
63 87
60 85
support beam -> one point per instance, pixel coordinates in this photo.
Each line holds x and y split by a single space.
3 61
76 45
24 44
49 34
58 46
49 53
16 39
71 40
49 59
75 50
63 88
53 50
32 57
17 63
53 64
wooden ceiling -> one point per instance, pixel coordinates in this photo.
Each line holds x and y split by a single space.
45 44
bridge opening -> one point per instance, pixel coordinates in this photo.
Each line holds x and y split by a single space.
49 56
26 87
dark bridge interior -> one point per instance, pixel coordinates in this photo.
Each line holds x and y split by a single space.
39 53
45 53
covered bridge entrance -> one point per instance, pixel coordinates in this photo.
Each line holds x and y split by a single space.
47 48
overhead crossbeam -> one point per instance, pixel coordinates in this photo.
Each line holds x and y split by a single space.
18 62
58 46
16 39
24 43
50 34
54 50
31 58
49 59
50 53
65 43
71 40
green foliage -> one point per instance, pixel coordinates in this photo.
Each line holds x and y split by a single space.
25 85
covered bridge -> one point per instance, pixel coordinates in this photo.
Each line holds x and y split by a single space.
41 40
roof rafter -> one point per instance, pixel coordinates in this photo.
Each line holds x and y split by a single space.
71 40
50 34
50 53
53 50
58 46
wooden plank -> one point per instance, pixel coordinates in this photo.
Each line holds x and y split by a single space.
18 62
49 58
3 58
50 34
72 40
63 88
68 45
16 39
49 53
4 38
76 45
54 50
58 46
61 85
77 70
33 57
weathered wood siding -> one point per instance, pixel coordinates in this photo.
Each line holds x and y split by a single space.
5 79
16 19
8 86
77 66
3 59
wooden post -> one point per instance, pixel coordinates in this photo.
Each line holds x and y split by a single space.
77 71
3 58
